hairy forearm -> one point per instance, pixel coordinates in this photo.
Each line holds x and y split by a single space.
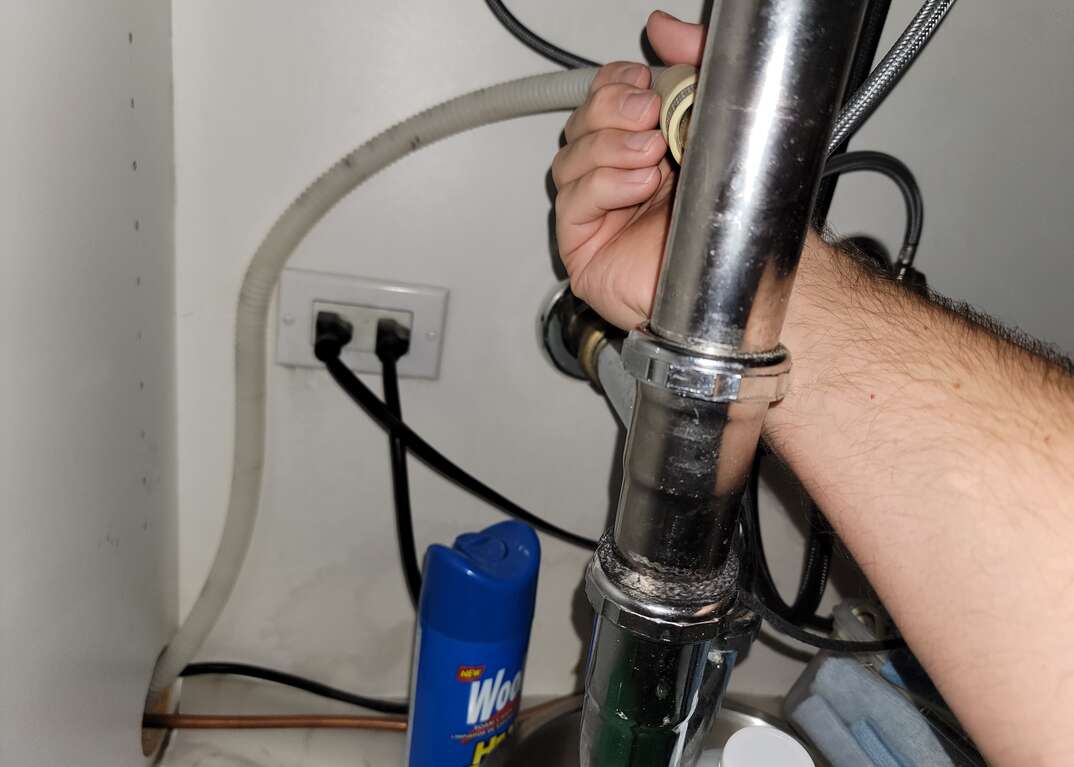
944 457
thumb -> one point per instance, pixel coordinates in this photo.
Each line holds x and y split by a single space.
674 41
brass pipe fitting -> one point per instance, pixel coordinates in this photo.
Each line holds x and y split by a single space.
592 341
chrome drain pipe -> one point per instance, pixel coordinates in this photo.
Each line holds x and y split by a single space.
664 580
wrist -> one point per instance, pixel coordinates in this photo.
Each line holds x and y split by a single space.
815 317
839 314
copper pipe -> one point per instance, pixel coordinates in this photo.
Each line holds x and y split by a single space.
273 722
304 721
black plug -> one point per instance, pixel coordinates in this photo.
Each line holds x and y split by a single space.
393 340
332 333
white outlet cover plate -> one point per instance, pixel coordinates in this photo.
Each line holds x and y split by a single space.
301 290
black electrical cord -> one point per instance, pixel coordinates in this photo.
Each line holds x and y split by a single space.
535 42
298 682
332 336
393 341
897 171
783 626
815 568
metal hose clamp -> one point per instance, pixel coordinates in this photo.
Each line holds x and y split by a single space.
733 377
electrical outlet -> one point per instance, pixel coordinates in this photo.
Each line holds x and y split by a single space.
362 302
363 320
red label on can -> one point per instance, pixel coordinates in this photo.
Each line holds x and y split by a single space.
469 673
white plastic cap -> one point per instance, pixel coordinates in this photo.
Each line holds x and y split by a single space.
764 747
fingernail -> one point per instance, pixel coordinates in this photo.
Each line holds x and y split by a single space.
633 73
636 104
640 176
639 142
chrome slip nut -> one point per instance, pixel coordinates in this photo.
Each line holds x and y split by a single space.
716 378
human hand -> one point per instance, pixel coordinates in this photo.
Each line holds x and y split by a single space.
615 183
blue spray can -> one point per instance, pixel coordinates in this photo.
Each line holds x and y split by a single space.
470 645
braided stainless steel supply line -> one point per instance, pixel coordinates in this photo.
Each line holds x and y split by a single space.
890 70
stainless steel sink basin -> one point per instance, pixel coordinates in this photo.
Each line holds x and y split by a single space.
549 738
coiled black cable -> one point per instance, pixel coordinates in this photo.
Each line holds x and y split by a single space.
896 170
535 42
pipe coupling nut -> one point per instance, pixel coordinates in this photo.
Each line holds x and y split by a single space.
664 606
732 377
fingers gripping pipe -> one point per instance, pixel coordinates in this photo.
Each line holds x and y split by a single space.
663 581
